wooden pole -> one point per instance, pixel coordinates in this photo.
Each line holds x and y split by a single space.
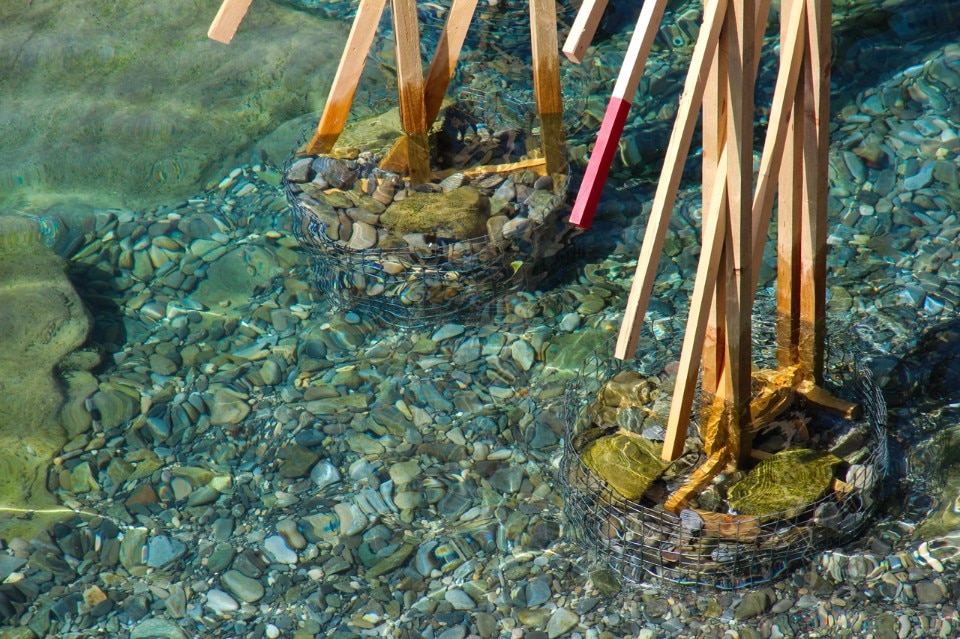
714 133
741 25
413 115
441 71
701 303
666 193
227 20
583 29
345 82
790 184
813 259
546 83
615 117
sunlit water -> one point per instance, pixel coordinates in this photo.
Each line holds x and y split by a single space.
162 181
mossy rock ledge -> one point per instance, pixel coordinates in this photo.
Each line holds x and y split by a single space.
460 214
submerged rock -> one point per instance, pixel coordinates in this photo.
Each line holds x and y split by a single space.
629 463
789 480
50 322
460 214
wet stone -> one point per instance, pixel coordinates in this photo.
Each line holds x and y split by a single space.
162 551
219 601
928 592
459 599
297 461
752 605
242 587
507 479
157 629
324 474
454 632
538 592
277 549
561 622
222 528
364 444
221 557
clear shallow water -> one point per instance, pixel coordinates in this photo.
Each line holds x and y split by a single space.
189 310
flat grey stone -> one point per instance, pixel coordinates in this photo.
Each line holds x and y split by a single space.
242 587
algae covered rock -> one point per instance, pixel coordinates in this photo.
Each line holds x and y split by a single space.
460 214
627 462
787 481
43 320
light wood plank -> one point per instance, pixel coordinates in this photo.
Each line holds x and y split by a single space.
354 58
714 123
583 29
790 184
714 230
546 83
813 269
227 20
740 25
666 193
413 116
791 57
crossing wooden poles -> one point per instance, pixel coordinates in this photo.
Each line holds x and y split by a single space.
736 216
441 71
422 98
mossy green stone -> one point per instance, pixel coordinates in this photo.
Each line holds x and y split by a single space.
789 480
628 463
460 214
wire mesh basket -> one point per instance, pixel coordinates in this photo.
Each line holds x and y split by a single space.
488 234
698 546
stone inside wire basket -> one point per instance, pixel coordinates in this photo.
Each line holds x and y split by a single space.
709 543
414 255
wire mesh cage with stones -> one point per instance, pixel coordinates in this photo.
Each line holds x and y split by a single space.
416 255
716 547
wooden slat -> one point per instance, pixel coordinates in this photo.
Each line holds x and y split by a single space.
714 229
444 63
740 25
345 82
413 116
666 193
546 83
714 132
624 92
583 29
227 20
813 267
441 71
790 183
791 57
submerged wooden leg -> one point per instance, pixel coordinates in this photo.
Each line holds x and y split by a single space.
813 270
546 83
345 82
413 115
441 71
740 25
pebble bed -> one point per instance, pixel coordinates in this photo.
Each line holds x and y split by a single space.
245 462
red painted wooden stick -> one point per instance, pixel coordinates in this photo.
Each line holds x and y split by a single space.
616 115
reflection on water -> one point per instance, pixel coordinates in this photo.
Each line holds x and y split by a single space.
259 464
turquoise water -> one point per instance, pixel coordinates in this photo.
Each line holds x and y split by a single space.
222 415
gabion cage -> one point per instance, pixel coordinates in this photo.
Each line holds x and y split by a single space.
420 279
648 544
